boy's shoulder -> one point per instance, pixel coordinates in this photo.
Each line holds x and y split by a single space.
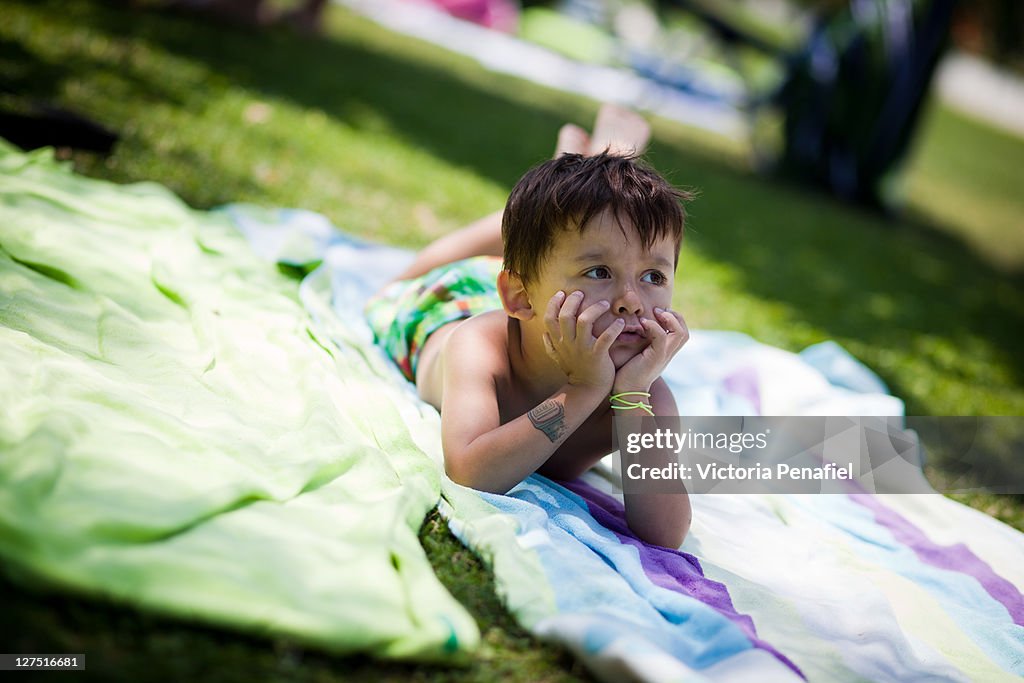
464 353
483 337
474 358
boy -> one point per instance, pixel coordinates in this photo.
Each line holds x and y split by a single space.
526 359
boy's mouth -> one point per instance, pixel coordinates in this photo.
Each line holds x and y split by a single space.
631 334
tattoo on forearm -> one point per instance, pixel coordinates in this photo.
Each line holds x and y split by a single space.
549 417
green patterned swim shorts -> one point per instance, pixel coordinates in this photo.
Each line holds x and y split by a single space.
406 312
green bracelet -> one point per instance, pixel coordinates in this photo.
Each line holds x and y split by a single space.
630 405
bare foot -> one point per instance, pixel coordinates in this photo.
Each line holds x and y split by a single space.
572 140
620 131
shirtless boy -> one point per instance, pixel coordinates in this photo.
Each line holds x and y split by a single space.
526 356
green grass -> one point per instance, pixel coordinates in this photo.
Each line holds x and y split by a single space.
400 141
969 186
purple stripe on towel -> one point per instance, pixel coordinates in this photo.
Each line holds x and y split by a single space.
744 383
673 570
957 557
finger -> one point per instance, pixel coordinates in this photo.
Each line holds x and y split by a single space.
676 324
550 347
659 316
657 335
682 324
677 334
669 322
551 312
585 321
654 328
567 315
608 337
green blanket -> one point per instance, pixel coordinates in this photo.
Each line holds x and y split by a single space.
176 432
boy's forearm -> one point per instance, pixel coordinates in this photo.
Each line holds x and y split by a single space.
501 458
658 518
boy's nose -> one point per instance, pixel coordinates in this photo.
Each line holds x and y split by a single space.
628 303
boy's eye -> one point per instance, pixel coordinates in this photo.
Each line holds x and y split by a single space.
598 273
655 277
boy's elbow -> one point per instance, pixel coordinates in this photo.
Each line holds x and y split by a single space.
663 532
455 472
459 473
675 537
666 538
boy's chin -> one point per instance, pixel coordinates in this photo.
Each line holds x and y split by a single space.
621 356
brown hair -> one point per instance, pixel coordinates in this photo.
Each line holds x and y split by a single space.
568 191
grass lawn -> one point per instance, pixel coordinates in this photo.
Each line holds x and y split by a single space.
400 141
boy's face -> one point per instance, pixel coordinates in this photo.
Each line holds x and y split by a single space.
608 262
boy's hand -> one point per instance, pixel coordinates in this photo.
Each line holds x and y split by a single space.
570 341
666 339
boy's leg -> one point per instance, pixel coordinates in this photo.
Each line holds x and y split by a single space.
479 238
571 140
618 130
483 236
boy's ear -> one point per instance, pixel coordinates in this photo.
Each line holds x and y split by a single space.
514 296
